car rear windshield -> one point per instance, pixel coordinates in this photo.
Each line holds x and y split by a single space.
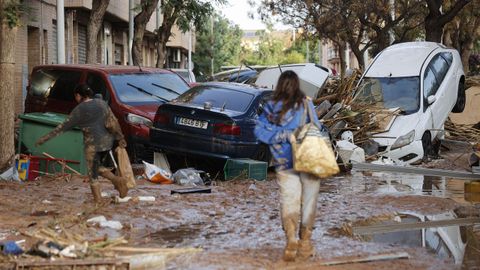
389 93
228 99
147 87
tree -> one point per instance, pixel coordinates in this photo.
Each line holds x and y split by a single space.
463 31
222 46
439 14
360 24
140 24
99 7
9 19
186 14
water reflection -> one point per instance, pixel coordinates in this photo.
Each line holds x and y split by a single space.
459 190
445 242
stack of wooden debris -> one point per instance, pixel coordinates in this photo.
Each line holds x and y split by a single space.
466 133
337 111
472 81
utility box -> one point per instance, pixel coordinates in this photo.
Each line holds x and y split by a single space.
245 167
68 145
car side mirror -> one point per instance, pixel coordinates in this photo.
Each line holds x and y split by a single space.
431 99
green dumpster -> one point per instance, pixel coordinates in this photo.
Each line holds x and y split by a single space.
68 145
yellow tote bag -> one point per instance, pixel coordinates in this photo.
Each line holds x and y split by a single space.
312 151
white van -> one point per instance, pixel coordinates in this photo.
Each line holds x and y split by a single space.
425 82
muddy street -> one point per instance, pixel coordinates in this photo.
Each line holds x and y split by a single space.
237 225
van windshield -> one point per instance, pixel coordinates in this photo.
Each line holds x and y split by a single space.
389 93
147 87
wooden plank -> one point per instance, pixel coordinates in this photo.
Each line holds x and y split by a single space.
79 262
415 170
155 250
351 260
386 228
371 258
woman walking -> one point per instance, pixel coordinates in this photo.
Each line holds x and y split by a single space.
100 129
298 191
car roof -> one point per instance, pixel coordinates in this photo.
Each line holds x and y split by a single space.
235 86
108 69
402 60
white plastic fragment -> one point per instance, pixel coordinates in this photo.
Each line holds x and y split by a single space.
146 198
97 219
112 224
68 252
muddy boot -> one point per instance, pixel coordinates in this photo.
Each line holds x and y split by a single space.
118 182
96 192
305 247
290 227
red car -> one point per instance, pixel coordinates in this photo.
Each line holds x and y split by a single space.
133 94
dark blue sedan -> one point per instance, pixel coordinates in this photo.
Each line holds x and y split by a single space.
212 120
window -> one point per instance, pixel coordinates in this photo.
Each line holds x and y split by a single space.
430 84
228 99
440 67
147 87
56 84
389 93
448 57
98 86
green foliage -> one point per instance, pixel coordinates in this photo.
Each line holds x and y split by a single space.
224 45
13 12
190 12
293 57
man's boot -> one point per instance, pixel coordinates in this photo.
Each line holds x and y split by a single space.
118 182
290 225
96 192
305 247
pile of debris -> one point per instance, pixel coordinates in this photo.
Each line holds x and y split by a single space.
467 133
72 241
340 115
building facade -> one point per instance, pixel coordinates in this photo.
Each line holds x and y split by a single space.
37 39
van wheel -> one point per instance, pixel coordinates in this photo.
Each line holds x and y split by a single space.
461 99
427 145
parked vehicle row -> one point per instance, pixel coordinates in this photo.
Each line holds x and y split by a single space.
159 111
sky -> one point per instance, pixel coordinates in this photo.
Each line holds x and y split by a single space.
237 11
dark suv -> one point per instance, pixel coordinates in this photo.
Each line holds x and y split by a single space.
133 94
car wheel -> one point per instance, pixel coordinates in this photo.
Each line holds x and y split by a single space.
461 99
427 145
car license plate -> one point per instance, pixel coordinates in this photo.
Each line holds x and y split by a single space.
192 123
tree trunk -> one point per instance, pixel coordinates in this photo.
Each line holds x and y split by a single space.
141 20
163 34
435 20
162 48
433 31
359 55
7 88
465 55
99 7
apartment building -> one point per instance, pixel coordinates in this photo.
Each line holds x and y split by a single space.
37 39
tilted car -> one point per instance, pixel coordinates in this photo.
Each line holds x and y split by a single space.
424 82
211 120
133 94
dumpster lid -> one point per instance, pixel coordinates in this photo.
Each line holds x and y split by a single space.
49 118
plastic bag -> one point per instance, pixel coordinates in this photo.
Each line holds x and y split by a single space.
124 166
157 175
188 176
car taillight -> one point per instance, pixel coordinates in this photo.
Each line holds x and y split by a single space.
227 129
162 118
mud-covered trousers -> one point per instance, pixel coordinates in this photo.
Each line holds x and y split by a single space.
298 198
